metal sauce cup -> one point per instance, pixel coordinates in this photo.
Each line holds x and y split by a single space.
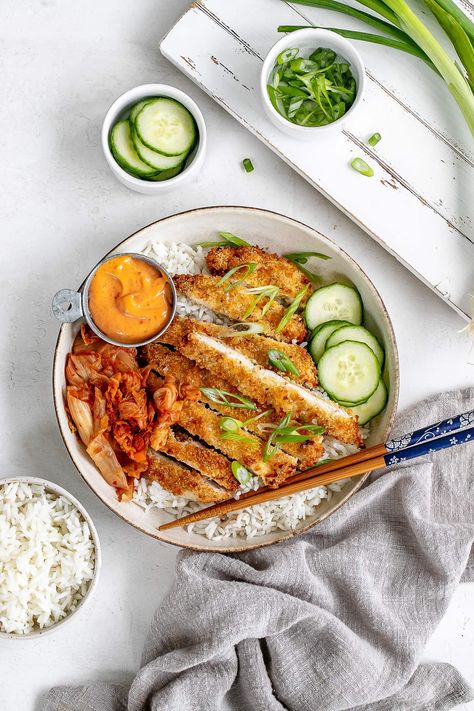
69 306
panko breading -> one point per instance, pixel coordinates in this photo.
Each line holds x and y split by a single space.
181 480
271 270
206 461
202 422
166 361
262 385
254 346
207 291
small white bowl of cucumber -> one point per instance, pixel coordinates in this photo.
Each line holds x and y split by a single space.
154 138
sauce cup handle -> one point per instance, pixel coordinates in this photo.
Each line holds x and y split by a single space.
67 305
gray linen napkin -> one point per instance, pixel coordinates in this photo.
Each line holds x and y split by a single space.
335 619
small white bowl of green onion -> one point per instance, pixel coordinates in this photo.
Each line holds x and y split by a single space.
312 80
154 138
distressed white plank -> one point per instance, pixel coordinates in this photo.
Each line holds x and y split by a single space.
417 205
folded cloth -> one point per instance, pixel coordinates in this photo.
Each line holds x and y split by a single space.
334 619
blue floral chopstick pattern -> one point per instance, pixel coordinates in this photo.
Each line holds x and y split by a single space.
430 445
425 434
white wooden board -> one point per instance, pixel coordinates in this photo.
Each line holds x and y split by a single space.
419 204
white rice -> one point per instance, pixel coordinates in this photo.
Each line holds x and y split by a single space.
283 514
47 557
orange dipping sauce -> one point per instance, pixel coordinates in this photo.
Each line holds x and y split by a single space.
129 299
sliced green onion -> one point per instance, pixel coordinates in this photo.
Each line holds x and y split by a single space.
271 447
362 167
287 55
302 257
240 472
242 329
230 424
292 308
249 269
299 433
248 165
270 292
233 239
374 139
221 397
238 437
282 362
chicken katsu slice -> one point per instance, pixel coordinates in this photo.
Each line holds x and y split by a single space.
182 480
207 291
264 386
254 346
166 361
271 268
202 422
206 461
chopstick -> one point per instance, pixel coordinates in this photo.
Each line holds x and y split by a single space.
456 430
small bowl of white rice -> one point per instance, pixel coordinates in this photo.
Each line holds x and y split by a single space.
49 557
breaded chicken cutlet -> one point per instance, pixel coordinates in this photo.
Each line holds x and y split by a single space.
271 269
234 303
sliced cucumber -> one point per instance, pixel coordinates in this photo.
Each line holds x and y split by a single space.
138 107
124 152
166 126
374 405
349 372
357 333
156 160
335 301
167 174
317 344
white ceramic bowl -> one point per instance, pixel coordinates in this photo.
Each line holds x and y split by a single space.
307 40
119 109
59 491
279 234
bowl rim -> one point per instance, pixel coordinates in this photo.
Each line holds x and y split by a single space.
394 383
60 491
118 106
323 34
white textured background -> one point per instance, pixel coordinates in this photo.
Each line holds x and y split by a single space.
62 65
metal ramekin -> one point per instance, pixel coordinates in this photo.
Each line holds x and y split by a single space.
69 306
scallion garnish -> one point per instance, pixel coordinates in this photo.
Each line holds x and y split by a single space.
286 433
281 361
311 91
302 257
249 269
222 397
242 474
269 292
233 239
271 447
239 437
248 165
230 424
374 139
228 238
362 167
292 308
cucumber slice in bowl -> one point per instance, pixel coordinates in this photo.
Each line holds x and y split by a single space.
349 372
135 110
317 344
156 160
166 126
167 174
357 333
334 302
124 151
374 405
